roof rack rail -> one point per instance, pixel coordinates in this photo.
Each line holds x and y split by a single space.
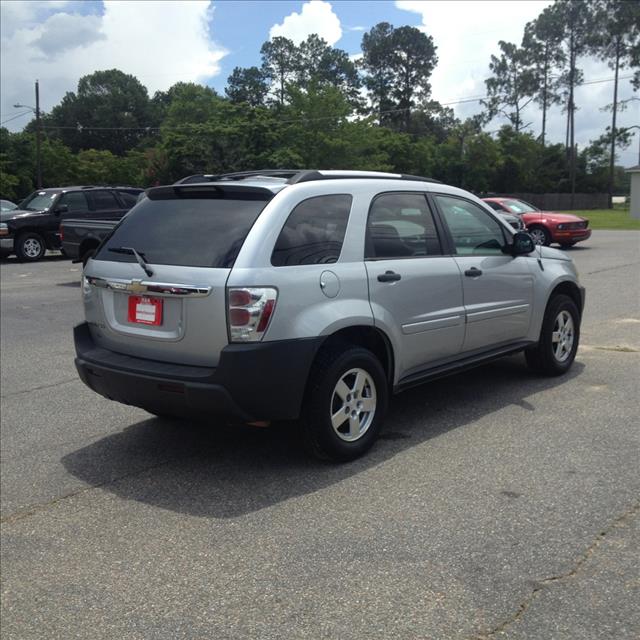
313 174
296 176
238 175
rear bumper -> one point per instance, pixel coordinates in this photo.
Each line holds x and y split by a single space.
260 381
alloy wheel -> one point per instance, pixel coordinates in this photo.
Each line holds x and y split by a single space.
563 336
538 236
353 404
32 247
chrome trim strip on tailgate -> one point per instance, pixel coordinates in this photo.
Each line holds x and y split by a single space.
145 287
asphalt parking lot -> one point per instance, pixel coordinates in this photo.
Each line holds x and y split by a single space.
497 505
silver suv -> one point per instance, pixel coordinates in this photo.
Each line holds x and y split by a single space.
313 295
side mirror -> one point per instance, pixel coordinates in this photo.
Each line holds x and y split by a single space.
61 208
523 244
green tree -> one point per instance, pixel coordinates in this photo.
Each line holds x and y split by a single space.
512 86
541 44
247 85
617 31
110 110
398 63
280 63
323 65
577 20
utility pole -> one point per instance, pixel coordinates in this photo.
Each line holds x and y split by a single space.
38 134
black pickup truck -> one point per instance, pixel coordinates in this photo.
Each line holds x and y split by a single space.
34 226
80 238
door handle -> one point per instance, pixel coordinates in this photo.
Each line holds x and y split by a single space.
389 276
473 272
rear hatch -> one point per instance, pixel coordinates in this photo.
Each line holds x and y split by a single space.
168 302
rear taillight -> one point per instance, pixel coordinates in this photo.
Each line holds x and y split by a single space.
249 310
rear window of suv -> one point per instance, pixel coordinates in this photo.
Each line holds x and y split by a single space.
193 230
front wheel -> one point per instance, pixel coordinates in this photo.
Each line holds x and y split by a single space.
345 404
540 235
30 246
556 350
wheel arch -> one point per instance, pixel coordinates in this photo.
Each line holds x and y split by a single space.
568 288
368 337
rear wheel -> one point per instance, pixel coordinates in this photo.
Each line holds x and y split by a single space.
345 404
30 246
556 350
540 235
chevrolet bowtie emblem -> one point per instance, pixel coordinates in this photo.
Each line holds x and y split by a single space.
136 286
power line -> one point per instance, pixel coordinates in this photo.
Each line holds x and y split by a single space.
24 113
372 112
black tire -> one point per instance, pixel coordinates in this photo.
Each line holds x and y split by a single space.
542 358
567 245
331 365
30 246
536 229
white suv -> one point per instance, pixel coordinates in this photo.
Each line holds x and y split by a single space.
313 295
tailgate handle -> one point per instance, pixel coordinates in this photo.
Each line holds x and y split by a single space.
153 288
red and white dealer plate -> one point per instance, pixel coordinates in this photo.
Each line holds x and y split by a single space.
145 310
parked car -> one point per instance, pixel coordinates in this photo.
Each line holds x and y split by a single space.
7 205
314 296
33 227
545 227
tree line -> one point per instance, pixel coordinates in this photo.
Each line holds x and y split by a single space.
313 106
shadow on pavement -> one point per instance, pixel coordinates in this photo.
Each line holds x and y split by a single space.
221 470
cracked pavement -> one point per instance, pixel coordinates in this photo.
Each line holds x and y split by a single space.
497 505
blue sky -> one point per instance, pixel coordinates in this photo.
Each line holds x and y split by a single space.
163 42
241 36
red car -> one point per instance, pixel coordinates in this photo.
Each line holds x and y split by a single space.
545 226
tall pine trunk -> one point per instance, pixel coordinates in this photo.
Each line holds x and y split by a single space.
572 157
612 159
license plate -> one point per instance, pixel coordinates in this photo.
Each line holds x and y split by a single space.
145 310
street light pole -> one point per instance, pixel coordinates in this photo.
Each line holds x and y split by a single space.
38 134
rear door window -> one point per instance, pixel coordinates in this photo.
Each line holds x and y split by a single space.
75 201
186 230
314 232
401 225
104 201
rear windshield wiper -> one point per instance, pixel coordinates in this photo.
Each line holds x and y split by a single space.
137 256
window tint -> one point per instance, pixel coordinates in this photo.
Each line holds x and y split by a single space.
128 198
474 231
495 206
75 200
314 232
103 200
186 231
400 225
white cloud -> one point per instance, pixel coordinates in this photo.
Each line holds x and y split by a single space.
467 33
159 42
316 16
